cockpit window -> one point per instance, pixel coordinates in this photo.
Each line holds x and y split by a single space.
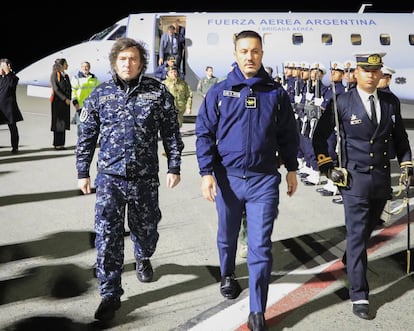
115 31
120 33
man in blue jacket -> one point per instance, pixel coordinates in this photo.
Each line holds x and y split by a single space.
244 125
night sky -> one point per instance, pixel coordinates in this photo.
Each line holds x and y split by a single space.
30 34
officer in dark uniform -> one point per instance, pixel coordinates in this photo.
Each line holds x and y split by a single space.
363 175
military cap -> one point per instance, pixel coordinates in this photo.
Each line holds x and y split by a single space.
336 65
349 65
171 68
387 71
171 58
288 64
319 66
370 60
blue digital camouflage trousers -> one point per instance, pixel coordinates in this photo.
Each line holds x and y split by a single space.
113 194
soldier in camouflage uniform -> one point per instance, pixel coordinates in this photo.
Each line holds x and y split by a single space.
127 112
183 96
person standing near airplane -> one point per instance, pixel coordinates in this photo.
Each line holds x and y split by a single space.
10 112
384 85
244 122
385 81
60 102
207 81
83 84
183 95
367 119
128 113
161 71
180 33
349 75
330 189
169 46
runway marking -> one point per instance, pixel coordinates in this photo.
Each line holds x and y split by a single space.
284 297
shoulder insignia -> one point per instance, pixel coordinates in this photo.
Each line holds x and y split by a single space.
323 159
83 115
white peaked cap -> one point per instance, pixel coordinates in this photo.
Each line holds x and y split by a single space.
336 65
318 65
349 64
387 70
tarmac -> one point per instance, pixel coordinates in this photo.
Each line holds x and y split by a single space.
47 253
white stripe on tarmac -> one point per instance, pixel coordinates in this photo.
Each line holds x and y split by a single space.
233 317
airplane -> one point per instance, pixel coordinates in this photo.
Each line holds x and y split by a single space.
296 36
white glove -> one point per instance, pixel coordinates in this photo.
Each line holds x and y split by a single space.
318 101
298 98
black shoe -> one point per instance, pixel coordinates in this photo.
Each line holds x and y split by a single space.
380 223
256 322
144 271
320 189
14 151
106 309
338 201
344 259
361 310
230 287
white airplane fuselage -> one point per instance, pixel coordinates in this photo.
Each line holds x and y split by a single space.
310 37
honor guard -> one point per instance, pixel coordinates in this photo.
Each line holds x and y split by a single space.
385 81
349 74
313 98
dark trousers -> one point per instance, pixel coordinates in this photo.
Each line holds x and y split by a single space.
59 138
14 136
361 218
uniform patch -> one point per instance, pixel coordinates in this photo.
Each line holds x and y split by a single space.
232 94
148 96
355 120
251 102
83 115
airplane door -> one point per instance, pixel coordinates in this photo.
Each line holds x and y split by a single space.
144 28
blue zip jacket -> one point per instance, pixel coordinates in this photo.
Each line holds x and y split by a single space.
244 124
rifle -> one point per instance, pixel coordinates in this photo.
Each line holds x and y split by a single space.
312 110
348 65
338 175
283 74
408 222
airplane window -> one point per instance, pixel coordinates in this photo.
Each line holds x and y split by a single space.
356 39
327 39
385 39
121 32
297 39
411 39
